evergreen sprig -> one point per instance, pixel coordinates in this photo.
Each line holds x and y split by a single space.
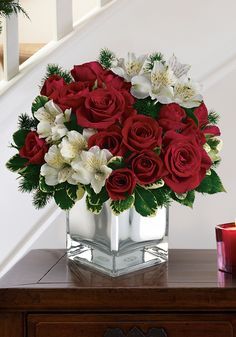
152 58
147 106
213 117
26 122
106 58
40 199
55 69
9 7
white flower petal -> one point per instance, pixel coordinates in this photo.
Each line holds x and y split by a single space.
50 174
178 68
141 86
88 132
53 157
72 145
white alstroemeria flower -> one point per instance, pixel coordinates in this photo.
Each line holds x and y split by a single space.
56 170
178 68
72 145
51 121
91 167
158 84
130 67
187 93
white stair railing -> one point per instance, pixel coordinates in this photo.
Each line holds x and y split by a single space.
63 18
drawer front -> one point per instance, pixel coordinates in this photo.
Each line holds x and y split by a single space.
136 325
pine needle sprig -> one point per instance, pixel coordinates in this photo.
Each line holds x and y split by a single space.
40 199
106 58
55 69
27 185
9 7
213 117
26 122
152 58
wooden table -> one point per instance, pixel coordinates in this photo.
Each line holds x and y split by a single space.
188 297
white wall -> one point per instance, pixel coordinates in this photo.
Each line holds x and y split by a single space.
192 31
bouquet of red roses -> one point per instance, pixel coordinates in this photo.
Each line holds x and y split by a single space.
135 132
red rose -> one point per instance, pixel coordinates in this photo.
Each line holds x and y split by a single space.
110 139
191 129
202 115
52 85
129 105
171 117
112 80
101 108
70 96
120 184
87 72
34 148
185 160
212 130
141 133
147 167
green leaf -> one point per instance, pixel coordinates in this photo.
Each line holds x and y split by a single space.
63 200
19 137
94 208
119 206
44 187
190 113
116 163
187 200
39 102
73 125
40 199
147 107
16 163
30 171
145 202
211 184
94 200
162 196
158 184
75 192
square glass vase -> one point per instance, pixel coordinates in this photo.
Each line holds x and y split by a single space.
116 245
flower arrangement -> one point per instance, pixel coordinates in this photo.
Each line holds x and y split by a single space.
135 132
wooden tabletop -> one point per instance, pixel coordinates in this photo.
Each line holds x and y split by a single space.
44 279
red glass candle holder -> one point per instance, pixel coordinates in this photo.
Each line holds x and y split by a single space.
226 247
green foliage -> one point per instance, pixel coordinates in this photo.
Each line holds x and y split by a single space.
211 184
186 200
40 199
152 58
119 206
72 191
16 163
63 200
44 187
19 137
190 114
55 69
27 123
116 163
94 200
145 202
213 117
27 185
39 102
147 107
73 125
8 7
163 196
106 58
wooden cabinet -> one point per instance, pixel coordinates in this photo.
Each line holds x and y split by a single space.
44 296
